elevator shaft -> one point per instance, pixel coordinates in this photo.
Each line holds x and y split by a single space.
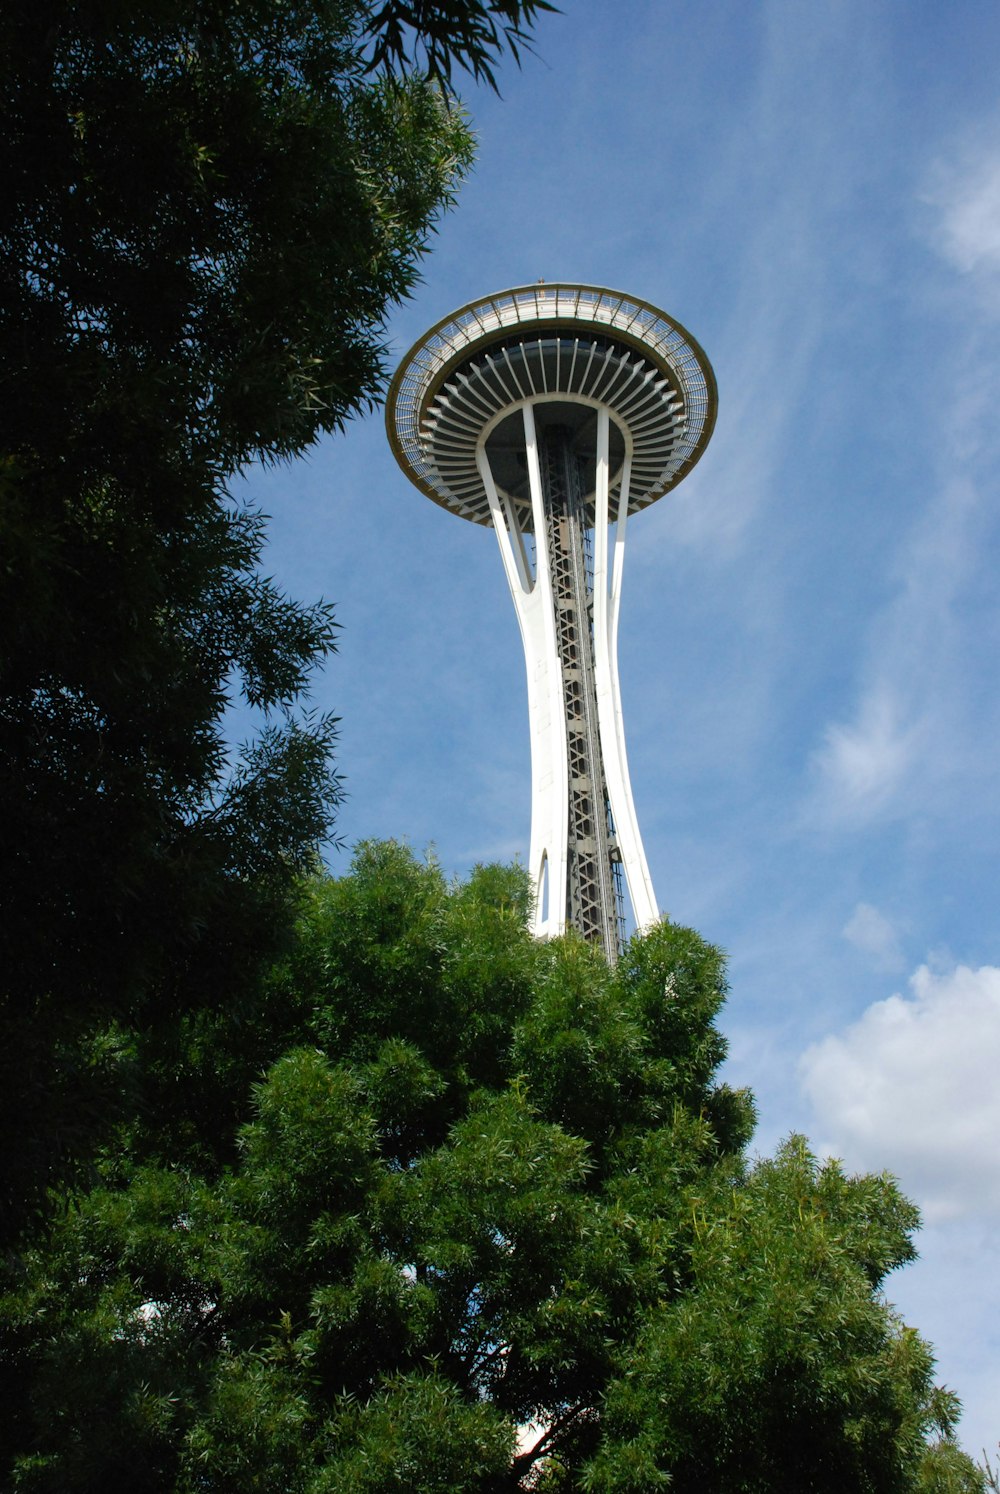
593 891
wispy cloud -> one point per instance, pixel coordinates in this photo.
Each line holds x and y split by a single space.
862 764
963 193
874 935
918 737
779 196
922 695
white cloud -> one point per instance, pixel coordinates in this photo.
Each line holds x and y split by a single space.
962 195
965 192
913 1088
920 736
862 765
871 932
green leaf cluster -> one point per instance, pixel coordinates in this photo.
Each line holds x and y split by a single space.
206 209
488 1224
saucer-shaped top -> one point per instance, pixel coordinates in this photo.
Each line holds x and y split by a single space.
568 345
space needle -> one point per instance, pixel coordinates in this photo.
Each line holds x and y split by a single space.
553 412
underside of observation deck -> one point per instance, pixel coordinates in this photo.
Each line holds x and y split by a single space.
537 342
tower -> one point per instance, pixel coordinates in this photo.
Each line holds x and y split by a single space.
552 413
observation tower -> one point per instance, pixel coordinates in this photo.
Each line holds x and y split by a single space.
553 413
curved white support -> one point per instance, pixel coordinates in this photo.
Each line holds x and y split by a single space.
607 607
533 602
547 857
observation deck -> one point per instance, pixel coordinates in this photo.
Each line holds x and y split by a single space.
539 342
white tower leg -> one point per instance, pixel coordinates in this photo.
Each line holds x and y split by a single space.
533 597
533 602
607 607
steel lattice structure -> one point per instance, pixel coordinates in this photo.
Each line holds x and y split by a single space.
552 413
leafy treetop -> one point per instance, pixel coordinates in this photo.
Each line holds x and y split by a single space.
206 209
488 1226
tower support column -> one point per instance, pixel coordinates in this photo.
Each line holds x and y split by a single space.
591 894
584 831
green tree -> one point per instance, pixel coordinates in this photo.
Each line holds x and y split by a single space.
206 208
489 1226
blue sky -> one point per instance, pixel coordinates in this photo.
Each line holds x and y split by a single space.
810 625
